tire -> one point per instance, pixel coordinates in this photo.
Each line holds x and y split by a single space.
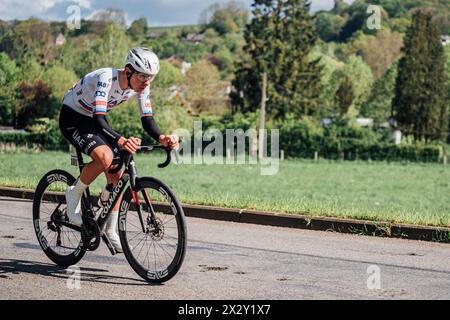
46 203
167 247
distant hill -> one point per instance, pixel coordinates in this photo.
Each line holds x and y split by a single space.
344 20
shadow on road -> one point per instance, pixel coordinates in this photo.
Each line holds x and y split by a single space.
10 266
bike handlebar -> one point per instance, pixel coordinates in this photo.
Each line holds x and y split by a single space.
143 149
125 157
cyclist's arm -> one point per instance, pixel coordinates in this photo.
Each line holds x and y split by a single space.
148 123
100 107
150 126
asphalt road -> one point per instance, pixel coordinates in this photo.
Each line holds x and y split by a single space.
228 260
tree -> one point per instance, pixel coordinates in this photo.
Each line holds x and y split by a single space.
379 104
114 15
344 96
228 18
362 80
30 39
328 25
58 80
138 29
331 80
356 20
202 82
379 51
420 104
33 102
278 42
168 76
447 68
109 50
8 81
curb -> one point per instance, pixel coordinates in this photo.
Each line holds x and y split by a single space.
361 227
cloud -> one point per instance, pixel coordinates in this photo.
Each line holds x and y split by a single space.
157 12
44 9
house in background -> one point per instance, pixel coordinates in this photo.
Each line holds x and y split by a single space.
445 40
60 40
180 63
155 35
195 38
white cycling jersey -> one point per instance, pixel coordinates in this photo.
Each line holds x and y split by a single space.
98 92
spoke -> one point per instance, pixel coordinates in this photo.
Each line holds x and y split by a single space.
175 245
154 254
68 239
169 220
138 233
54 236
48 233
133 225
147 259
137 258
164 250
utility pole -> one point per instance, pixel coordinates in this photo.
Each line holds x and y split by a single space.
262 115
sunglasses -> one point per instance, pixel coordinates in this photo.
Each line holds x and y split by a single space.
144 77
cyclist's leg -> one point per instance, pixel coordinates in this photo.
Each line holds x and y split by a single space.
102 157
111 223
80 132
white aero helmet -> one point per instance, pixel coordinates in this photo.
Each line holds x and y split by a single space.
143 60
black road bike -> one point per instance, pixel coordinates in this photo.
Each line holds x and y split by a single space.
152 227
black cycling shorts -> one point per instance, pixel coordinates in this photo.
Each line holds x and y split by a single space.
80 131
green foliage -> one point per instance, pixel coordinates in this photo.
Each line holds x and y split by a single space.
8 82
345 95
346 21
279 40
300 138
33 101
227 18
45 134
29 38
109 50
203 88
343 141
378 52
59 80
328 26
421 94
138 29
169 116
362 80
169 46
168 76
379 104
330 83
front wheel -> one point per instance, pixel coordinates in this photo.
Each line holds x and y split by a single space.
152 230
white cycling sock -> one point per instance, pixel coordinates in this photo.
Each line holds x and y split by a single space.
78 188
110 230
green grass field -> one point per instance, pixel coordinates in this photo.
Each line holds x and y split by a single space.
408 193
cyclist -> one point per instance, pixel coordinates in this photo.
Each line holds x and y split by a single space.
84 124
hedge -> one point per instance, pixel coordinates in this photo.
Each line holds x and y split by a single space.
298 141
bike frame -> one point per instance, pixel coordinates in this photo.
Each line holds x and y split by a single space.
129 175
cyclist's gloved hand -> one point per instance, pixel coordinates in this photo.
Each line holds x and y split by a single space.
169 141
131 144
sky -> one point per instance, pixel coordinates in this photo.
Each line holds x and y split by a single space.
157 12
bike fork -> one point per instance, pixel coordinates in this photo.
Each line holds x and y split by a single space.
149 205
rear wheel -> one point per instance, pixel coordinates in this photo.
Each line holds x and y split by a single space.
154 240
60 243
